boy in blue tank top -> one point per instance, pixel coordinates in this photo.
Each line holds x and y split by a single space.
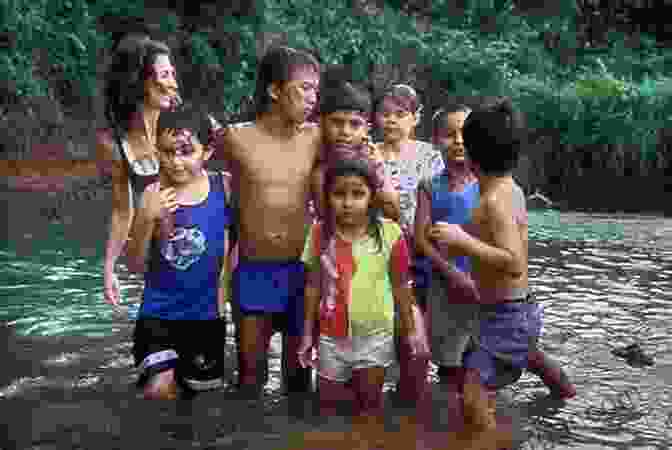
448 197
179 240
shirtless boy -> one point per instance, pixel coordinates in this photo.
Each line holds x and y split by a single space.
497 244
272 160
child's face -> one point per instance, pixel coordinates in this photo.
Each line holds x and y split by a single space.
449 137
350 198
181 156
397 122
344 127
298 96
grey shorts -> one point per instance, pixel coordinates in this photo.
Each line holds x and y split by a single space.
339 357
453 326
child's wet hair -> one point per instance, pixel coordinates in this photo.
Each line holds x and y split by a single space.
404 95
195 120
277 66
338 92
356 168
493 137
440 114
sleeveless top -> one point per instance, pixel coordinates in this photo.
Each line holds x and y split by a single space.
452 206
183 275
137 182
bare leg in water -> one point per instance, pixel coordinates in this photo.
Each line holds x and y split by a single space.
161 386
551 373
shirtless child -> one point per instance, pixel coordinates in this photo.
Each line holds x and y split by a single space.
271 161
497 245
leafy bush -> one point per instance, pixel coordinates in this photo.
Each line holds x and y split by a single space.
600 96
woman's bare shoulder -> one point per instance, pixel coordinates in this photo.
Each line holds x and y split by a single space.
105 146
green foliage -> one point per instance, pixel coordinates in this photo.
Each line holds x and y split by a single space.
617 94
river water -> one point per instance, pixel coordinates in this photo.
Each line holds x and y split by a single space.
67 377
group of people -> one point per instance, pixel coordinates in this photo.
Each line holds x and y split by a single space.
361 254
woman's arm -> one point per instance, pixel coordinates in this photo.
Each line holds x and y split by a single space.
120 219
140 236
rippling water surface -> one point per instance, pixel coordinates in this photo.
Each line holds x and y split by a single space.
604 280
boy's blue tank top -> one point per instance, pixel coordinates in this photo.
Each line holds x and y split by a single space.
183 276
453 207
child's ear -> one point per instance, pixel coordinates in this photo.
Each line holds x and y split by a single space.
274 91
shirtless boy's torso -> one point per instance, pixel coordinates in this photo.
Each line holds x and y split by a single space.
272 181
500 221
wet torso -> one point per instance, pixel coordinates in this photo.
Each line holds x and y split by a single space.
491 281
271 179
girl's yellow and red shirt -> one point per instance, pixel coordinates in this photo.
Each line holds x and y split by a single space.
364 300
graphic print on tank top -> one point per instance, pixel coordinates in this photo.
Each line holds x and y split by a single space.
184 248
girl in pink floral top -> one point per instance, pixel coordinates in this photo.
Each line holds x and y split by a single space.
407 161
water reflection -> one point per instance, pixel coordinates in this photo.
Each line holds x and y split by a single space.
605 281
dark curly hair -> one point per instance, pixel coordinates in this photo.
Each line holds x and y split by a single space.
124 88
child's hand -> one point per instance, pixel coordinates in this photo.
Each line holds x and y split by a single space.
306 357
157 203
418 340
374 152
447 234
419 345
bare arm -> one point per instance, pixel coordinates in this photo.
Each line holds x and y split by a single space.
317 187
138 244
457 282
422 244
312 299
122 210
401 286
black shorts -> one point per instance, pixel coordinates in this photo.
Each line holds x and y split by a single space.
194 348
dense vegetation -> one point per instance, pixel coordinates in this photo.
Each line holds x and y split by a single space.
579 88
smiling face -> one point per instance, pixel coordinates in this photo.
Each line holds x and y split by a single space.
344 127
181 156
396 121
349 199
297 98
161 84
449 137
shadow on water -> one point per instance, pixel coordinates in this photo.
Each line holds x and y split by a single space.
67 379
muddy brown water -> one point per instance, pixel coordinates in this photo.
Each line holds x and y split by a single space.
67 381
